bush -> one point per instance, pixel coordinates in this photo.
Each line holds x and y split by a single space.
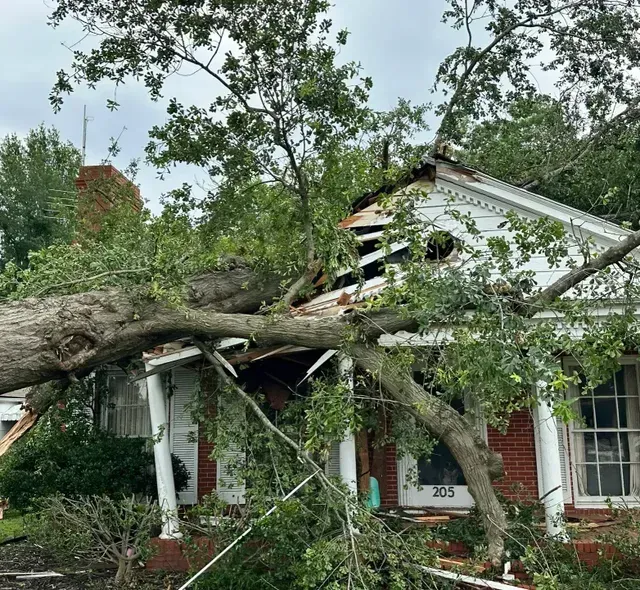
305 545
79 461
96 528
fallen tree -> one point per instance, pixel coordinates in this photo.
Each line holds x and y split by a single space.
279 142
56 337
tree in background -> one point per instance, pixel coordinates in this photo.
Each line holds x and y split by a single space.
37 192
536 134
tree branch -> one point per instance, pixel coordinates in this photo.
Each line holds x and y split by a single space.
577 275
101 275
620 118
471 66
255 408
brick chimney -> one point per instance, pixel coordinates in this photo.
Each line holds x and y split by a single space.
100 188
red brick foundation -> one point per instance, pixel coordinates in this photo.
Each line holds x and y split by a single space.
173 556
168 556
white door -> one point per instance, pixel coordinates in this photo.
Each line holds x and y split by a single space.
440 481
184 431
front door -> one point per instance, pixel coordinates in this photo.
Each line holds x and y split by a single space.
440 481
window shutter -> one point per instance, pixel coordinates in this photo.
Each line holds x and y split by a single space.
184 431
564 460
228 487
332 467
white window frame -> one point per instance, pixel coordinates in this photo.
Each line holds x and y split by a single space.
115 373
569 366
410 495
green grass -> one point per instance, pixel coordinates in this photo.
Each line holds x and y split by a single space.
12 525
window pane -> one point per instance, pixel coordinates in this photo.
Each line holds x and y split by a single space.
606 413
440 468
627 380
606 388
584 447
610 480
633 479
622 406
128 410
624 446
608 450
626 472
586 413
587 480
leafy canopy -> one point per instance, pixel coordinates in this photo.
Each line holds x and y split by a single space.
37 193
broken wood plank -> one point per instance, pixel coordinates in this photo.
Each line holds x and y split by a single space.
434 518
470 580
14 574
37 575
18 430
448 563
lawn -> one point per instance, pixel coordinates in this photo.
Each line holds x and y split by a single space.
12 525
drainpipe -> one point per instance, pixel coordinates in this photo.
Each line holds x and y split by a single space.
162 456
551 493
348 469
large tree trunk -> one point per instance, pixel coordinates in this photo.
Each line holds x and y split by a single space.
47 339
479 464
51 338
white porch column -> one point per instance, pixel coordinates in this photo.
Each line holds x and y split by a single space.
551 493
162 456
348 468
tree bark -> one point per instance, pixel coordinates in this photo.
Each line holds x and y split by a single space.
479 464
56 337
50 338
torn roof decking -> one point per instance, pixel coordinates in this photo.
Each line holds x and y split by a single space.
461 185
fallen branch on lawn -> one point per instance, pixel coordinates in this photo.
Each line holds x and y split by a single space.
243 535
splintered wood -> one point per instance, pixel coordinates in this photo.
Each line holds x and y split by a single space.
20 428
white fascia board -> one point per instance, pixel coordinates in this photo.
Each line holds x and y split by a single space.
604 233
442 334
191 351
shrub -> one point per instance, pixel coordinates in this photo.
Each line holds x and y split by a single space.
305 544
96 528
79 461
522 520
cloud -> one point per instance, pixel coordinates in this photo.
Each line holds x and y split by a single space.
399 45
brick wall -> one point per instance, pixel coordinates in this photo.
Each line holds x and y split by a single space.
167 556
517 447
100 188
389 495
207 468
170 555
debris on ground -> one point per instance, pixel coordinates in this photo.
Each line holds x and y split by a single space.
26 566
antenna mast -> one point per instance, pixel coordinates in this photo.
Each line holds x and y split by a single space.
85 120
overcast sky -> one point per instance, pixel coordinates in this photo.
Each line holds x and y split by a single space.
399 43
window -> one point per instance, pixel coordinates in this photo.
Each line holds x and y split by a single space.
606 440
126 412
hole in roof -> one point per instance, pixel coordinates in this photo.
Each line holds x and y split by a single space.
440 245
